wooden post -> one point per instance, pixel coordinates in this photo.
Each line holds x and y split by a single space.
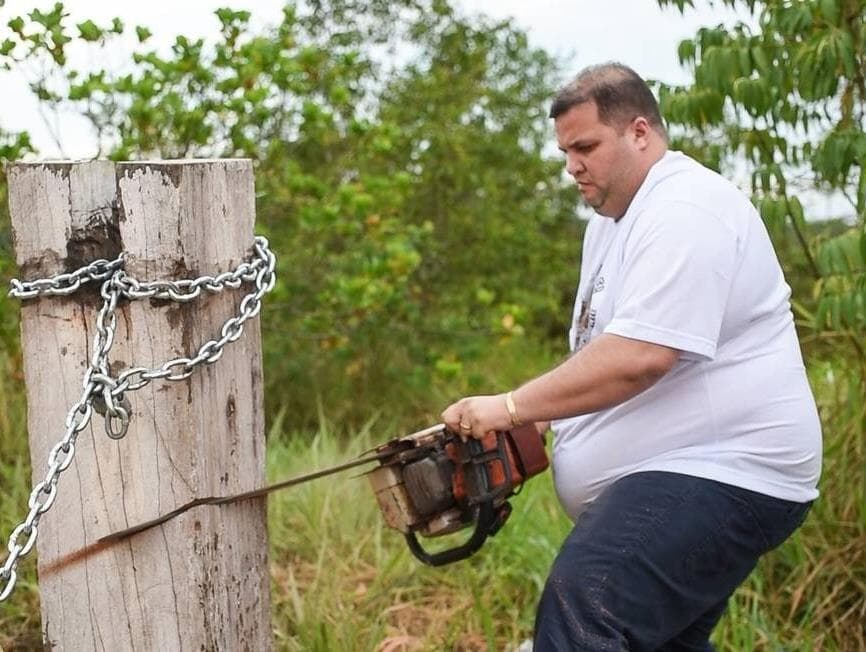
200 581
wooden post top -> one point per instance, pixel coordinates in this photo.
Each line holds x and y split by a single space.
80 211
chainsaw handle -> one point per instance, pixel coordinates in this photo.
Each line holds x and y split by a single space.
485 525
488 519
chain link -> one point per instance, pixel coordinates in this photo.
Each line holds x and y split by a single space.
106 394
64 284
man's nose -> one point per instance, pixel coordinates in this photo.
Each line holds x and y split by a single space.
574 164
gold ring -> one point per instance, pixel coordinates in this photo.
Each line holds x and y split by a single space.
465 426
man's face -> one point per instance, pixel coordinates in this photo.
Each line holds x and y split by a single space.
600 158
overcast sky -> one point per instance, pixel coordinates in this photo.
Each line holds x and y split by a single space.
635 32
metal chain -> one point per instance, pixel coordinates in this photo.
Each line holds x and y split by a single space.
106 394
64 284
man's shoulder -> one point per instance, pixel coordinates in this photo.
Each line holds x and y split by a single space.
685 187
682 178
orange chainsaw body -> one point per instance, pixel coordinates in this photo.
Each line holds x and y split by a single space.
433 483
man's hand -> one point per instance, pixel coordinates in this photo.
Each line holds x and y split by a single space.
475 416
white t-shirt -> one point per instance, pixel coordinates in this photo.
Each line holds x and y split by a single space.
690 266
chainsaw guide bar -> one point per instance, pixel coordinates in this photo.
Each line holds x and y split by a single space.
430 482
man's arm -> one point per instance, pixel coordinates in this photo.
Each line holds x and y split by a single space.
607 371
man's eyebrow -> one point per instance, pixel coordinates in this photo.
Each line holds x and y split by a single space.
577 143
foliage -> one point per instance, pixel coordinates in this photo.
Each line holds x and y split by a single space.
19 621
789 98
415 217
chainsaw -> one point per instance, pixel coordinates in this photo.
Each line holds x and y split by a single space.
430 483
433 483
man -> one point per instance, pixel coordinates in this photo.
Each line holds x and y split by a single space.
687 443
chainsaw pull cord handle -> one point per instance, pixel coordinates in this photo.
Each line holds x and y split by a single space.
486 520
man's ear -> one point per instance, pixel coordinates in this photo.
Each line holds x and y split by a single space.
641 130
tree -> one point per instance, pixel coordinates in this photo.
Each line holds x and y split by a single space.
790 100
417 219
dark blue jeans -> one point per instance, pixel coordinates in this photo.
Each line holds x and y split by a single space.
650 565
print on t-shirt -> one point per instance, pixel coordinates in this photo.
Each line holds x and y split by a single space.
587 318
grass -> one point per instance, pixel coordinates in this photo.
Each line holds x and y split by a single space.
342 581
19 617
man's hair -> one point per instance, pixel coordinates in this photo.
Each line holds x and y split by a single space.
619 93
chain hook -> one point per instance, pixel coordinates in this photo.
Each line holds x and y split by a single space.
116 408
121 415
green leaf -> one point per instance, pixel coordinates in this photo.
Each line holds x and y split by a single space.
847 54
773 213
143 33
795 209
760 59
17 25
48 19
89 31
821 313
835 313
861 190
79 91
485 296
863 246
848 309
45 95
686 51
830 11
744 61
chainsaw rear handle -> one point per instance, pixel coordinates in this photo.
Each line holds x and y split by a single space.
488 518
488 522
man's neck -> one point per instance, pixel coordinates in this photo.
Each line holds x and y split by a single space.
652 155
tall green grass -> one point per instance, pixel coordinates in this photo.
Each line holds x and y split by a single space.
19 618
342 581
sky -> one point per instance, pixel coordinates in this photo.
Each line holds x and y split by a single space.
635 32
579 32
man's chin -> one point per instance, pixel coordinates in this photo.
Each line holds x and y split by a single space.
605 211
595 204
592 197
